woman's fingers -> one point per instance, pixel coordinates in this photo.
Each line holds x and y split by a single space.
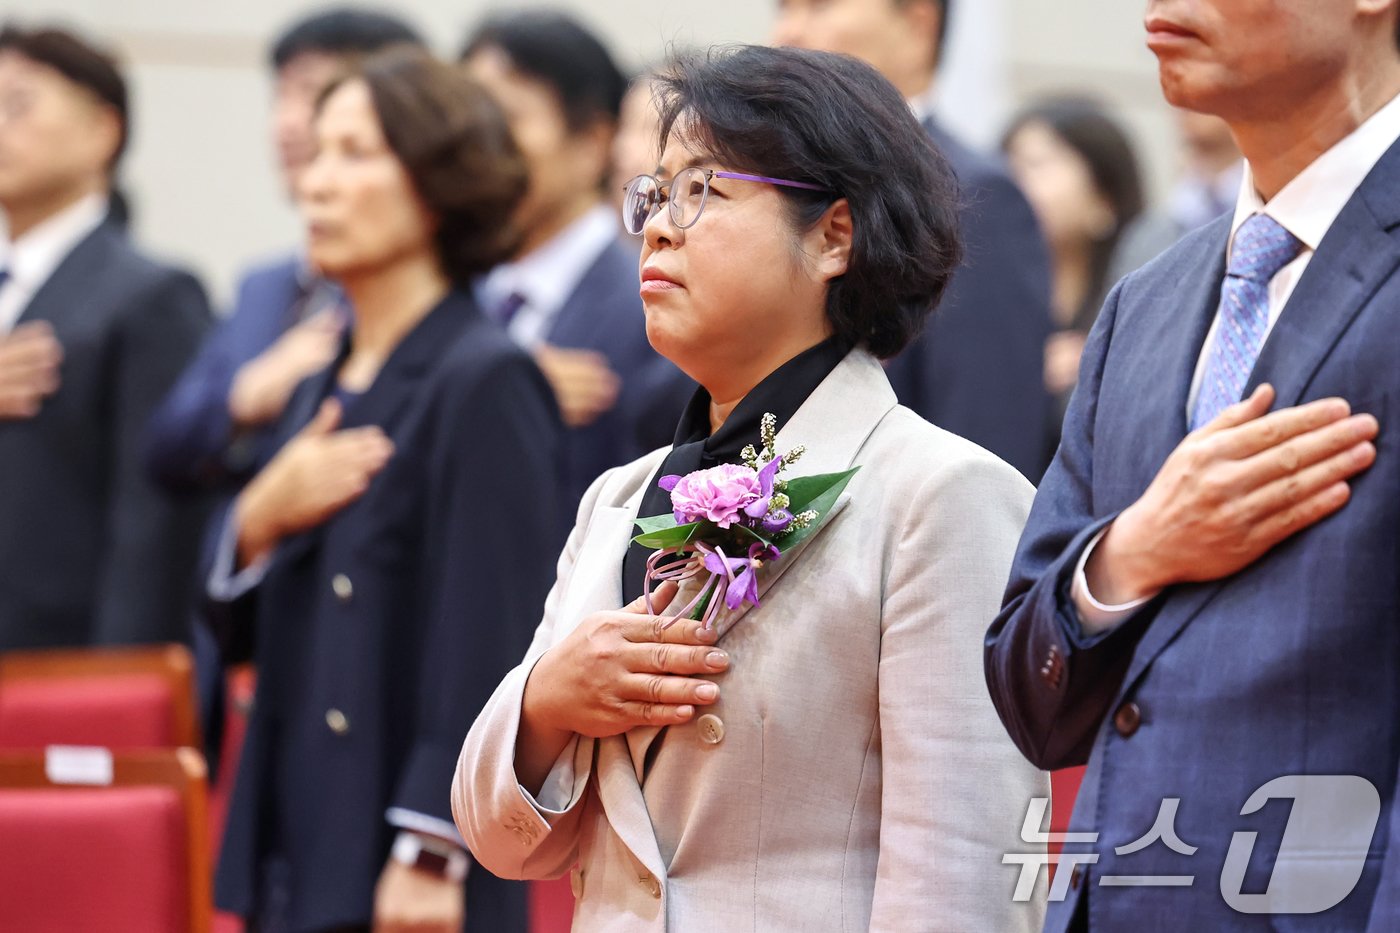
656 658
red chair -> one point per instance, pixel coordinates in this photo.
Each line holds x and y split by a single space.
101 840
126 698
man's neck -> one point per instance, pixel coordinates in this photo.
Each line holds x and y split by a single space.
23 215
1279 147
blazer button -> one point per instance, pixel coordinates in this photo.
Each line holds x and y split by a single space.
337 721
711 729
576 882
1127 719
343 588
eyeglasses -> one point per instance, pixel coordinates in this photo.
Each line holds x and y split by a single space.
690 189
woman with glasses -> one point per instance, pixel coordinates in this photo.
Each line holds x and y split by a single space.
828 759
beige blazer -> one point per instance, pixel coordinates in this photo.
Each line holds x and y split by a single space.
853 775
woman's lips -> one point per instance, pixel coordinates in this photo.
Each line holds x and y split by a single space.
654 280
1163 35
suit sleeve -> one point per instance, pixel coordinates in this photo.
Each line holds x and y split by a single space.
954 789
1052 684
507 830
191 442
146 583
978 369
494 498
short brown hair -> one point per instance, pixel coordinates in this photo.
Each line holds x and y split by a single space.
90 67
456 147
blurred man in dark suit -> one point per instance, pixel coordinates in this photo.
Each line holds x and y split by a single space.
286 324
570 294
978 368
92 334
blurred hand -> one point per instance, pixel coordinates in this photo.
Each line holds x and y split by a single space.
1230 492
407 900
317 473
29 359
1062 352
262 386
583 384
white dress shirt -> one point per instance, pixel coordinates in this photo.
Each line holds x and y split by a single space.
1306 207
32 258
548 275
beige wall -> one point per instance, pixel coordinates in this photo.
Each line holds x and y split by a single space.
200 173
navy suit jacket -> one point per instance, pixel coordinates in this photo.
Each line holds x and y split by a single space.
191 442
604 313
978 369
401 612
1291 666
93 552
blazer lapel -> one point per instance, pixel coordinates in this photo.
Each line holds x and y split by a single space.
68 288
1359 253
833 424
398 382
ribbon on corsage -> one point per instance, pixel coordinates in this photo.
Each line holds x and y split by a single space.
728 521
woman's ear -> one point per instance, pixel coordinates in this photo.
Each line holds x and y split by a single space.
833 245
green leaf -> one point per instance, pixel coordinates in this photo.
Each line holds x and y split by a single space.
656 523
805 491
834 484
662 538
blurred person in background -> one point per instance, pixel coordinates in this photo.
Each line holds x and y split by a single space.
1210 180
383 568
287 321
634 146
92 334
569 293
1078 169
977 370
387 555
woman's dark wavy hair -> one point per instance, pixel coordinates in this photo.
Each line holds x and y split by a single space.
456 148
833 121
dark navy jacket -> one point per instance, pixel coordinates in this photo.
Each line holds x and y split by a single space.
604 313
92 551
379 635
1289 667
978 369
191 442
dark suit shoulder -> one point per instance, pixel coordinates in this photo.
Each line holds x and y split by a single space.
129 276
974 169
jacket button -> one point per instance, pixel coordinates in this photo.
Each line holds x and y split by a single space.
711 729
576 882
1127 719
337 721
343 588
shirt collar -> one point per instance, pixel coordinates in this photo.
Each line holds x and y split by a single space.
1308 205
32 258
782 392
548 275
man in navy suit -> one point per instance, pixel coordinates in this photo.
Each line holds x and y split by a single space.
215 425
978 369
92 333
570 295
1209 619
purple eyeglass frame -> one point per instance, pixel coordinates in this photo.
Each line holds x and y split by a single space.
705 195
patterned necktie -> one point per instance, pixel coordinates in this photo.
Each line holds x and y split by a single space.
1262 248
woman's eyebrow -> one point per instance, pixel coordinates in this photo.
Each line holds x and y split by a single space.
695 162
